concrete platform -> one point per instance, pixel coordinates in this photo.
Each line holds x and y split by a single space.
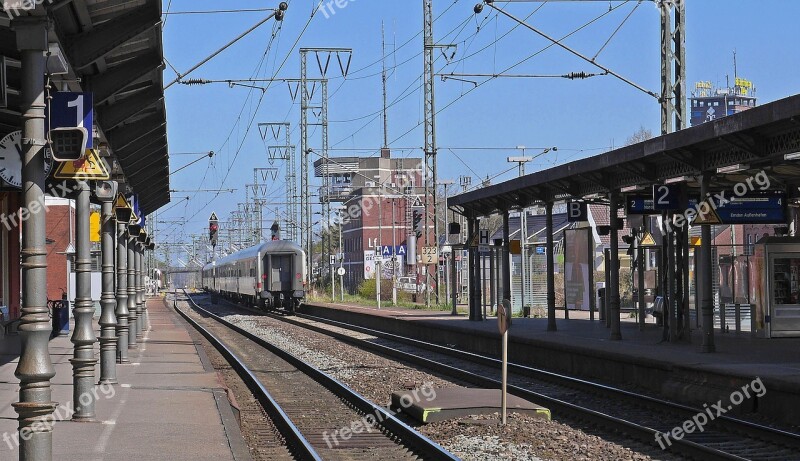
169 403
457 402
581 347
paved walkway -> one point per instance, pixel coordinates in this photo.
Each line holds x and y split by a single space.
169 404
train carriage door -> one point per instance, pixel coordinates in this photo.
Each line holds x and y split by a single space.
282 273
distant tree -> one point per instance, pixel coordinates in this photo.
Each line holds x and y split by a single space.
642 134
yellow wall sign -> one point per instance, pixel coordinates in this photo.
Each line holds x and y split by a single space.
648 240
89 167
121 202
94 226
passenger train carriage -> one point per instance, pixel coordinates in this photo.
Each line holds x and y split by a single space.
271 275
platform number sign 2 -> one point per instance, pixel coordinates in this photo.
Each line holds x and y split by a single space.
70 109
666 197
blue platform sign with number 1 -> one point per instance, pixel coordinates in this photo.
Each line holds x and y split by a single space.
68 110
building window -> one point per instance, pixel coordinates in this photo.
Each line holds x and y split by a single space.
748 248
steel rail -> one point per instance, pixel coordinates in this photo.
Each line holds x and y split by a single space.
736 424
300 447
422 445
750 429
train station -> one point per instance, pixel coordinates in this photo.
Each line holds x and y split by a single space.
461 233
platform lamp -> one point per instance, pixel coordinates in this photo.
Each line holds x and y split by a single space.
123 214
134 229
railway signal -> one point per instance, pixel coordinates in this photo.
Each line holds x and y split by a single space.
213 229
417 220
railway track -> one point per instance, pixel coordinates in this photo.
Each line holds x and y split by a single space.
637 416
319 417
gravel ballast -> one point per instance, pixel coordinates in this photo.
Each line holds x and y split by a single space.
471 438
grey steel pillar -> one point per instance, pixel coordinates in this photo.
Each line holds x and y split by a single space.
474 297
143 295
616 334
706 302
492 281
454 282
146 270
108 321
640 275
671 306
122 292
478 277
506 266
83 337
551 270
137 251
132 314
34 369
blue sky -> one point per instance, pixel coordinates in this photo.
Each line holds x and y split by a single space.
581 117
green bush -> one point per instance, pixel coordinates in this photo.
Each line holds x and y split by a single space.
367 290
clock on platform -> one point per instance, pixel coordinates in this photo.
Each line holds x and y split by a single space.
11 159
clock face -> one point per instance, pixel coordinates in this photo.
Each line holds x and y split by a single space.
11 159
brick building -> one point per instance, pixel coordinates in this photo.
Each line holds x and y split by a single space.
60 245
375 197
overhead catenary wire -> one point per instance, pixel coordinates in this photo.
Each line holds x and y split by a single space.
258 104
277 14
577 53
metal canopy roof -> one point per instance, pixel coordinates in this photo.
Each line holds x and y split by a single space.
114 48
757 139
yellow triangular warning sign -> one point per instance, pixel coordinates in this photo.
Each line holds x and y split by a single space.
710 217
648 240
89 167
120 202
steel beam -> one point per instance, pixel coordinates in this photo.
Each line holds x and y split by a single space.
124 135
123 109
128 155
88 47
116 79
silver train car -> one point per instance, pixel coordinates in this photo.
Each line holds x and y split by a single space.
271 275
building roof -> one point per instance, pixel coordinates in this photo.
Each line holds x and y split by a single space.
757 138
114 49
536 226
